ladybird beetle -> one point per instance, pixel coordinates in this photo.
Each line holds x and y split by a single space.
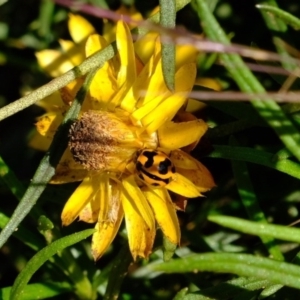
154 167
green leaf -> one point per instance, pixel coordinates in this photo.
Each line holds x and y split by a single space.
229 289
259 229
41 257
250 202
39 290
258 157
288 18
118 272
26 236
10 179
168 248
241 264
167 20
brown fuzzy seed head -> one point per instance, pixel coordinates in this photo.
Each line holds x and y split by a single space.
101 141
87 140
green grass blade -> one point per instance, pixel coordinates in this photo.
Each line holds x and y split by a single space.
286 17
258 157
242 264
289 234
25 236
10 179
45 20
41 257
228 289
277 28
43 290
269 110
167 20
250 202
118 272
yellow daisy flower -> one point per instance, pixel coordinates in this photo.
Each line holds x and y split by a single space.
126 147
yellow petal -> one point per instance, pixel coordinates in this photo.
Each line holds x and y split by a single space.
104 235
74 52
192 170
184 81
52 102
144 46
54 62
139 89
68 170
177 135
69 91
134 195
89 213
79 28
130 11
104 83
183 186
164 212
109 200
201 178
94 43
140 236
39 142
183 160
164 112
127 72
209 83
185 54
78 200
156 84
194 105
151 105
48 123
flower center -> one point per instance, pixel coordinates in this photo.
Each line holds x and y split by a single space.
105 141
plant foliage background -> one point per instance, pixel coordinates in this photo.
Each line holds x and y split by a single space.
257 177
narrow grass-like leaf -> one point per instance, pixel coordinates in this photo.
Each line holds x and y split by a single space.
258 157
229 128
118 272
39 290
250 202
241 264
277 28
167 19
168 248
27 237
268 109
238 110
41 257
288 18
229 289
45 18
141 30
46 169
181 294
270 290
289 234
11 180
15 186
